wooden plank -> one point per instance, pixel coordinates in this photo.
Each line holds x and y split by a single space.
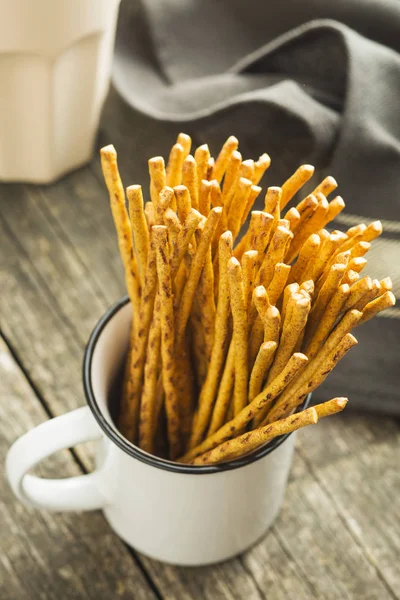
48 555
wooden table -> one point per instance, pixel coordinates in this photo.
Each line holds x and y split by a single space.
337 536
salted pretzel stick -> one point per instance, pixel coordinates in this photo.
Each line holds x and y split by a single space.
247 442
386 284
171 221
204 197
356 264
308 287
249 268
139 227
189 179
381 303
255 191
331 284
259 371
373 231
231 177
220 346
149 214
167 338
215 194
303 231
331 407
293 216
308 251
328 320
272 324
202 156
350 277
174 166
157 178
374 292
224 393
307 206
224 156
185 141
183 239
260 167
260 303
258 235
343 258
195 272
275 254
359 249
239 422
256 338
210 169
205 297
295 182
183 202
335 207
278 282
289 402
164 201
122 224
247 169
238 205
357 291
326 186
239 333
272 202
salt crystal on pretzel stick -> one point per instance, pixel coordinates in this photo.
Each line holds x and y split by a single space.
239 333
224 156
237 424
278 282
204 197
308 251
157 178
195 272
247 169
174 165
139 227
220 346
202 156
326 186
122 224
255 191
231 177
295 182
293 397
373 308
185 141
260 167
259 371
328 320
167 339
335 207
189 179
331 407
247 442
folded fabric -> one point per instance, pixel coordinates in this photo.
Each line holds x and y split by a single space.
306 81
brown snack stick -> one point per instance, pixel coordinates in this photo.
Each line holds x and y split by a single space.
165 197
290 400
249 268
183 202
247 442
259 371
373 231
257 236
381 303
247 169
205 297
220 346
360 249
239 333
306 207
295 182
357 291
224 393
185 141
171 221
328 320
374 292
323 235
386 284
210 169
149 213
272 324
139 227
293 216
157 178
260 167
202 156
308 252
174 165
231 178
167 339
290 289
278 282
275 254
357 264
195 272
255 191
335 207
239 422
308 287
122 224
256 339
326 186
204 197
350 276
198 341
183 239
343 258
224 156
303 231
238 204
330 286
272 202
189 179
331 407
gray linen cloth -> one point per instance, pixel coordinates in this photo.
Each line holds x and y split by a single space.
306 81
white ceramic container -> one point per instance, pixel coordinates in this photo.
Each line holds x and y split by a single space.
181 514
55 62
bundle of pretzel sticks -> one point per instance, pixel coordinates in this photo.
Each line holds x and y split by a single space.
232 330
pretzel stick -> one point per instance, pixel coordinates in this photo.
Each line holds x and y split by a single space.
340 259
231 178
164 200
220 346
308 251
258 235
195 272
374 292
157 178
183 239
183 202
331 284
331 407
278 282
272 324
189 179
357 291
204 197
335 207
255 191
210 169
224 393
256 339
167 338
122 224
373 231
202 156
205 297
307 206
272 202
247 169
359 249
239 422
386 284
326 186
249 268
293 216
238 205
174 166
224 156
247 442
275 254
289 402
260 167
295 182
372 308
185 141
149 214
259 371
303 231
139 227
350 277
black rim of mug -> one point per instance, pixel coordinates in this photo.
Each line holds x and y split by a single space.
120 441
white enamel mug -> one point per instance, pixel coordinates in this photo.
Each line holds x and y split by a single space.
180 514
55 64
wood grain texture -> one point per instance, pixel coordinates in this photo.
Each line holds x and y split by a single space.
338 534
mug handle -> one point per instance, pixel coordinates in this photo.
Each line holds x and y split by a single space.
70 494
